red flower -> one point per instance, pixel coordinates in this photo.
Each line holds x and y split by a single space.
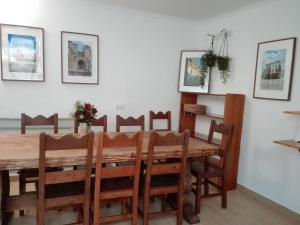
95 110
87 114
77 113
87 106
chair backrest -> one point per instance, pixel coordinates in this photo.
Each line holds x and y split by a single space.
160 116
172 166
100 122
68 143
226 131
39 121
119 141
130 121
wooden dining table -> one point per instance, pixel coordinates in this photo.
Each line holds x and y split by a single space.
19 151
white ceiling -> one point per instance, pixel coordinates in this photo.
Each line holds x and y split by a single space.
189 9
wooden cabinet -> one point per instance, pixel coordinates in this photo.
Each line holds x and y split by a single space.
233 115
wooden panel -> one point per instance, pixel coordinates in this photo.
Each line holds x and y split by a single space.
173 168
233 115
194 108
118 171
64 177
187 120
64 201
116 194
163 190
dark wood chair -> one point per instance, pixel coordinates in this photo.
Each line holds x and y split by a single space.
205 170
100 122
165 178
59 189
120 182
27 176
160 116
130 121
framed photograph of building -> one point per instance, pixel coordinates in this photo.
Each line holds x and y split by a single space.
79 58
22 53
194 74
274 69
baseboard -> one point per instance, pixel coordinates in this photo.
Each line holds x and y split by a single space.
274 205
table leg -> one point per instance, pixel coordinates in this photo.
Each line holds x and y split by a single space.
189 214
4 193
188 203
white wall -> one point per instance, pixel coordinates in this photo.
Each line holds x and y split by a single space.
266 168
139 59
139 64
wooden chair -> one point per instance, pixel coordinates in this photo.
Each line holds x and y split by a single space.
101 122
119 182
27 176
204 170
160 116
165 178
58 189
130 121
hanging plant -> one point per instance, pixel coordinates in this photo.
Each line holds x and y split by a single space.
224 60
210 57
203 71
223 66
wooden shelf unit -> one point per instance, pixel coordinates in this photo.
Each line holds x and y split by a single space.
233 115
292 112
289 143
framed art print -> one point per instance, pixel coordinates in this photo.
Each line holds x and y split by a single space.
274 69
194 74
22 53
80 57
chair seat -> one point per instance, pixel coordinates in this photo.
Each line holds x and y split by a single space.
116 184
64 189
198 169
164 180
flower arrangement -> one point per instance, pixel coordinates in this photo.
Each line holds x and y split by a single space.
83 112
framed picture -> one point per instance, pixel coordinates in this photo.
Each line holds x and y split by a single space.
194 74
274 69
22 53
79 58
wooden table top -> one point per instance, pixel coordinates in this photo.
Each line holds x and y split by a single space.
22 151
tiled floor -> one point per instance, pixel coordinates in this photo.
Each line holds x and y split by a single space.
242 210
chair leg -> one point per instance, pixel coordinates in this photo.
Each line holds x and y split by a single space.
22 189
163 203
206 187
134 210
224 193
179 208
198 195
146 210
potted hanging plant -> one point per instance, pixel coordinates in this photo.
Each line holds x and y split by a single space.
210 58
223 60
224 67
83 114
203 71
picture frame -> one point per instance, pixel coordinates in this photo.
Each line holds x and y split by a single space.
194 75
79 58
274 69
22 53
